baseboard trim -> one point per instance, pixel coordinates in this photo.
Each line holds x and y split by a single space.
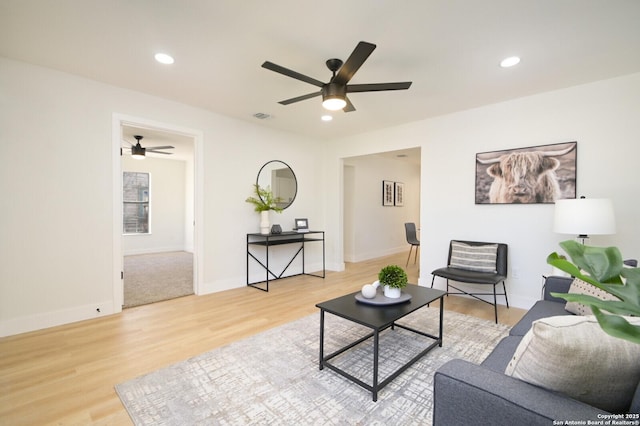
155 250
44 320
361 257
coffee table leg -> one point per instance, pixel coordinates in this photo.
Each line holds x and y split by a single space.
321 337
375 366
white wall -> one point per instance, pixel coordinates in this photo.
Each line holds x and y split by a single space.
57 186
374 230
601 116
167 206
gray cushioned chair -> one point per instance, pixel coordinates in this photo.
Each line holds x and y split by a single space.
476 277
412 238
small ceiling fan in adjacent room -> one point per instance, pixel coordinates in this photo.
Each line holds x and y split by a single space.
139 152
334 93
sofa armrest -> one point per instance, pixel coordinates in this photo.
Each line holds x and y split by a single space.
469 394
556 284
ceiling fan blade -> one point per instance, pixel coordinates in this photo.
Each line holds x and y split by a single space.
149 148
300 98
349 106
293 74
355 61
377 87
159 152
132 144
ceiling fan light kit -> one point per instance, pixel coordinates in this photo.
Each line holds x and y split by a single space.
333 97
139 152
334 93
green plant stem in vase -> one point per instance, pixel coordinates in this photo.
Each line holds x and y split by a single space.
263 201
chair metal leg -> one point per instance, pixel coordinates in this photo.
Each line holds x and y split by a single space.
415 256
495 303
504 288
409 257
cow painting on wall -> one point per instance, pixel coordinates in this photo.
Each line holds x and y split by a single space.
539 174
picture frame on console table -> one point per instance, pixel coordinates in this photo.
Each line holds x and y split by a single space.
550 174
387 193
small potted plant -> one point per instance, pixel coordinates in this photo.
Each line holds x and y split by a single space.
394 279
263 201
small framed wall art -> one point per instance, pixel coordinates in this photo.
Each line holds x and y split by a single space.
387 193
398 199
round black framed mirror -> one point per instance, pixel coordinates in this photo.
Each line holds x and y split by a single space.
278 176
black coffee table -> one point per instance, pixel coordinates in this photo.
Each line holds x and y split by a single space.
378 318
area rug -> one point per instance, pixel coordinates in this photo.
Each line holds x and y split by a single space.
153 277
273 377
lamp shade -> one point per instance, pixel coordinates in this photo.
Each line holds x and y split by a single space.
584 216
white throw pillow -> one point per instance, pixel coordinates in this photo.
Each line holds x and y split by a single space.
481 258
572 355
580 287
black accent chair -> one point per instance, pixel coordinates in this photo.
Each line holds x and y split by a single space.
412 238
475 277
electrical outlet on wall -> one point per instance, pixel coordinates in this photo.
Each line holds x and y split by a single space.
515 272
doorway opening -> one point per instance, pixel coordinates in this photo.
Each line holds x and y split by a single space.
365 207
158 206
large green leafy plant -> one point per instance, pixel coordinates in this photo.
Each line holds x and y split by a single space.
264 199
603 267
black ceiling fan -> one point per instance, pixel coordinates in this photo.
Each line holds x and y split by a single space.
137 151
334 93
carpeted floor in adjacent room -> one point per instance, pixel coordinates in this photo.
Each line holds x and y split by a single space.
154 277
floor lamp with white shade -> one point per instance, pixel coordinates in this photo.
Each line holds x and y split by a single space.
584 216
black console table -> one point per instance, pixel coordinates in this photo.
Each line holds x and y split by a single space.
269 240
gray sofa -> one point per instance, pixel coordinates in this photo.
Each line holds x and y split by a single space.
470 394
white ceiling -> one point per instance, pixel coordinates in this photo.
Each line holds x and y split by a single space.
450 49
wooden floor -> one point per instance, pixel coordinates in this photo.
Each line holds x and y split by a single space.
66 375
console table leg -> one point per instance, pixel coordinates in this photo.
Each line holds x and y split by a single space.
321 338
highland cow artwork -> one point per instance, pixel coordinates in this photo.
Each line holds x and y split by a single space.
533 175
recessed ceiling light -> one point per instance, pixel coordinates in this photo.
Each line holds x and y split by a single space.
326 118
163 58
510 61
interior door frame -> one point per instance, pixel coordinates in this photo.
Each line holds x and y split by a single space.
118 121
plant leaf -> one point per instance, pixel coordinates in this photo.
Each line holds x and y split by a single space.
614 306
604 264
602 267
617 326
554 259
